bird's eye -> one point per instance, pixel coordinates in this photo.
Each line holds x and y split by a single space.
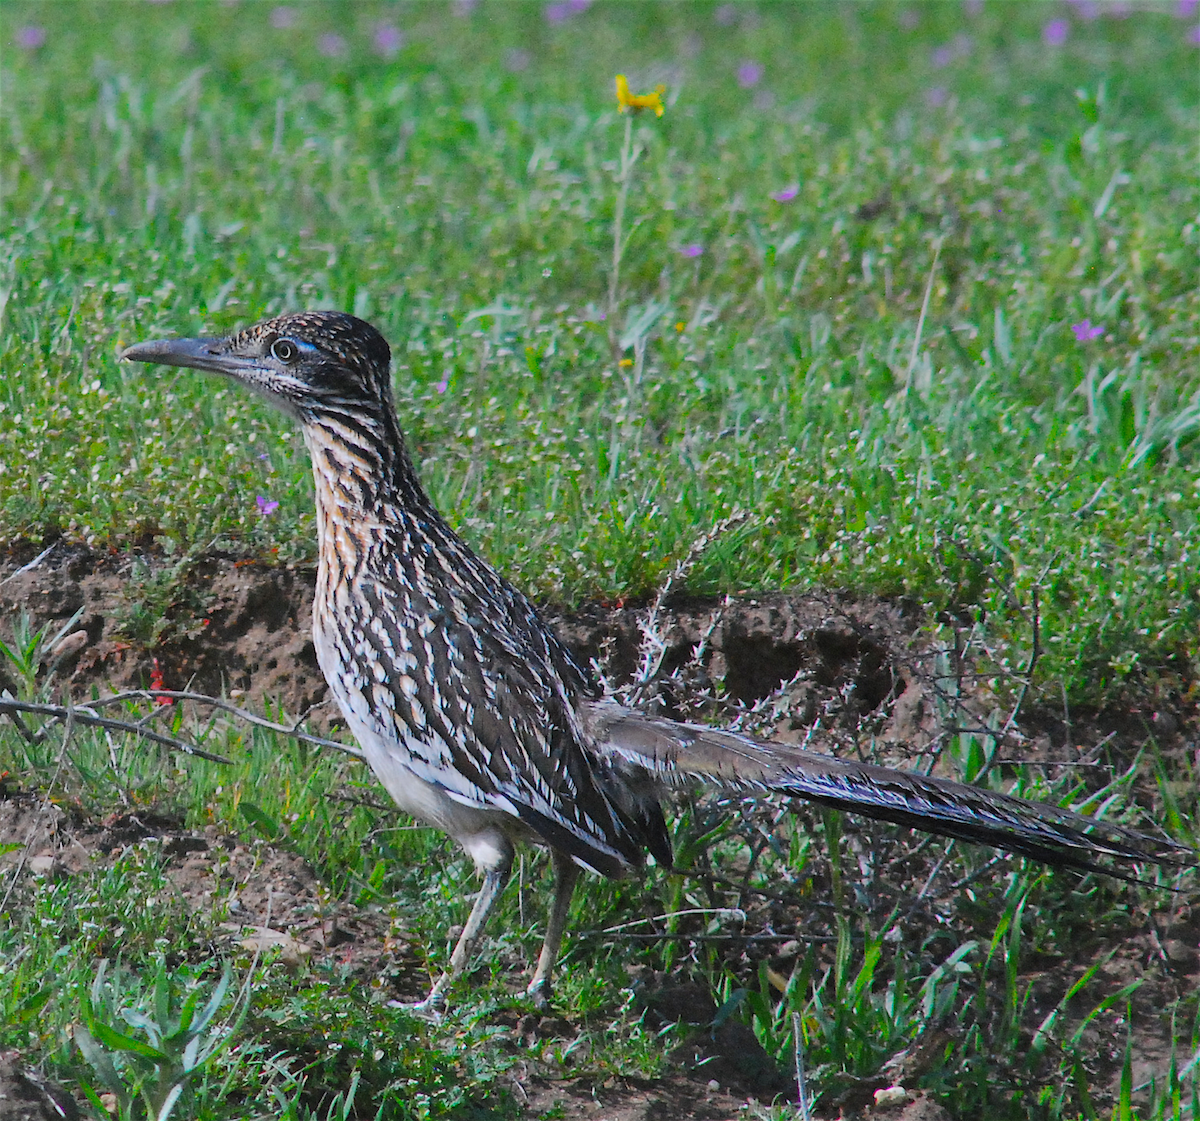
284 350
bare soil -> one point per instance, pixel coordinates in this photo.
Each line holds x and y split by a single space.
829 669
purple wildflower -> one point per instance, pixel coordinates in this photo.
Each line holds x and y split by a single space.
973 7
518 59
463 8
692 250
1086 10
749 74
1185 9
1055 33
282 18
1085 331
950 52
266 505
936 96
388 40
442 385
1194 36
29 38
563 10
331 44
787 194
726 15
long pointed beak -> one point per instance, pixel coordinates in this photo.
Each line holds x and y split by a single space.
199 354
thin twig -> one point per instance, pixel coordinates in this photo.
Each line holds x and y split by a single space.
1027 677
629 155
958 885
701 648
801 1081
916 346
31 738
82 714
737 912
653 646
731 939
32 564
715 880
369 803
225 706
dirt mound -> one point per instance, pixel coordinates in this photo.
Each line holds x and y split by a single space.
848 666
217 624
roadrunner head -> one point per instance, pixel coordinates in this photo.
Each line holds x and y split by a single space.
331 373
311 364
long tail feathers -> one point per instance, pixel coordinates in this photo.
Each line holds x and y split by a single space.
669 754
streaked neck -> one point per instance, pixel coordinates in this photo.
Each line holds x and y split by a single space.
361 466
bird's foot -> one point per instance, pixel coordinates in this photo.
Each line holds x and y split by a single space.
539 993
432 1008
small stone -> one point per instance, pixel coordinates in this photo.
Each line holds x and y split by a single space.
292 952
890 1097
68 645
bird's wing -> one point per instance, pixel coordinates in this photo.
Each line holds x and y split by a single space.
677 754
485 700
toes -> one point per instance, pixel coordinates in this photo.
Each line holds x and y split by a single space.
432 1008
539 994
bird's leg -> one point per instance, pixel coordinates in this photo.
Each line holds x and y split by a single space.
495 879
566 873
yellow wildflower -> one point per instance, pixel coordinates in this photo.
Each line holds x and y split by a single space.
625 363
636 102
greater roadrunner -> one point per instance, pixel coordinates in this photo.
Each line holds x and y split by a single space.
477 719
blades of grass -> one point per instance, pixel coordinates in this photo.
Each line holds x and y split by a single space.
1012 971
916 346
161 1000
1042 1036
169 1102
215 1001
263 822
866 972
734 1000
934 998
1121 994
101 1061
108 1036
1123 1107
1082 1090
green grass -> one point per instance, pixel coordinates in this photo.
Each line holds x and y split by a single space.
881 369
185 169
